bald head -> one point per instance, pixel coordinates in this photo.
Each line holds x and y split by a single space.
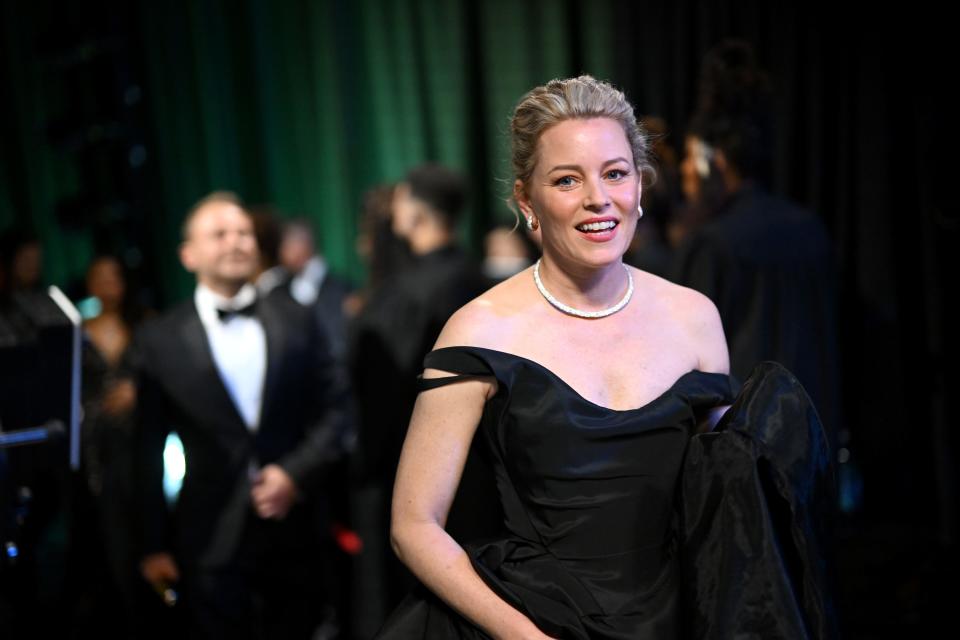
225 197
219 245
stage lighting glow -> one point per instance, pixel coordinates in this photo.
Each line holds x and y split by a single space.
174 467
90 307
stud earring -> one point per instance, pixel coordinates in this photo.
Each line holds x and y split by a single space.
532 223
640 210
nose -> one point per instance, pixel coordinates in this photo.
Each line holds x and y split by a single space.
237 241
596 198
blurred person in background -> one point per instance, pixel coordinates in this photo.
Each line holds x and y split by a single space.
292 268
270 274
508 250
766 262
22 256
102 544
312 284
650 248
251 389
399 322
427 207
382 253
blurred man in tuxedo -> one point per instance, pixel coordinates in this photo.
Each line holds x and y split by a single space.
250 388
312 284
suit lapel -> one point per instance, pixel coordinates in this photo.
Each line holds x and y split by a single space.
273 329
201 356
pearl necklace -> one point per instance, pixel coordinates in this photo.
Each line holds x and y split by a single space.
602 313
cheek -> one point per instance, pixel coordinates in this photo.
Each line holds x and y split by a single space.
399 221
246 243
554 207
625 200
630 228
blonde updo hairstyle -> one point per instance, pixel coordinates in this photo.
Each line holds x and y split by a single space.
572 98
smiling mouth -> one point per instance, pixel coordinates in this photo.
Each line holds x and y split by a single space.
597 227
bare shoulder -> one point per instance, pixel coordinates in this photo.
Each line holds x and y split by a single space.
485 320
467 326
695 314
672 298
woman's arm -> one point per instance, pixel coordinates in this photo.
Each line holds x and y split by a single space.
438 440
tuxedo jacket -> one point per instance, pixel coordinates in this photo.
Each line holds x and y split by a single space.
304 415
328 312
327 309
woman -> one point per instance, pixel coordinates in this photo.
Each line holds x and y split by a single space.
585 378
103 521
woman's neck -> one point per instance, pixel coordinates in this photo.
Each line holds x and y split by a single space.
429 237
111 309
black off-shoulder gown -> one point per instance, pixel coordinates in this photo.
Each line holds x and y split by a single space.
620 525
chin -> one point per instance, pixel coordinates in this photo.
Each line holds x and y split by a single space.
237 276
599 263
594 262
603 256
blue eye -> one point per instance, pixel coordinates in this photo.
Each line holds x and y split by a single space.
565 181
617 174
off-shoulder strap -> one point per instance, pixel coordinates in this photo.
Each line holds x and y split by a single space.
459 360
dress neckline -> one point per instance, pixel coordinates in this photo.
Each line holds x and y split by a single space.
576 393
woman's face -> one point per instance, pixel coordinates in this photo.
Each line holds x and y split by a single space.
25 272
105 281
406 211
584 191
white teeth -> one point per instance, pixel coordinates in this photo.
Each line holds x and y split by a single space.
597 226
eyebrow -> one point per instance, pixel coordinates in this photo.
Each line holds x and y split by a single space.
576 167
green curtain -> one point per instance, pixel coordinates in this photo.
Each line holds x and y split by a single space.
308 104
305 105
35 175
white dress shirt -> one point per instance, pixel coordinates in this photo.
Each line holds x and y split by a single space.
305 286
239 348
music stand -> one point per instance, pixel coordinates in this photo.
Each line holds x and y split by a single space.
40 376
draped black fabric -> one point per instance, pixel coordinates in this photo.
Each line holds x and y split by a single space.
755 521
595 543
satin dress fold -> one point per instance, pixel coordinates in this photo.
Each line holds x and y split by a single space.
591 496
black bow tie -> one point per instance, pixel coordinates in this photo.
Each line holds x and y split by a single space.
226 314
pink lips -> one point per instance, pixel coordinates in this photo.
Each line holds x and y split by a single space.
600 236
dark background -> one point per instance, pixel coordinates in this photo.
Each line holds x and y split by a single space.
115 118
